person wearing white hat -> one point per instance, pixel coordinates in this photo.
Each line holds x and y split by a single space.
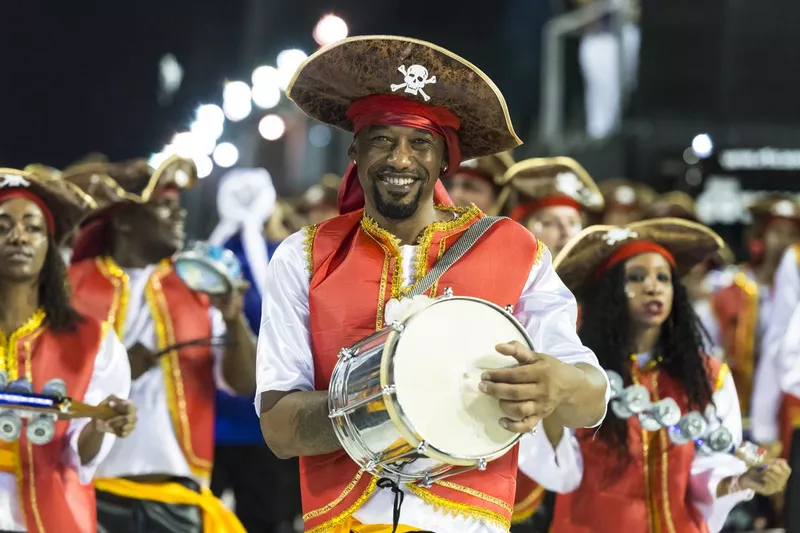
246 201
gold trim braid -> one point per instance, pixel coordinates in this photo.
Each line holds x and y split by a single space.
309 232
462 509
338 519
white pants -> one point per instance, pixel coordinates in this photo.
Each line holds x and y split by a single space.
599 59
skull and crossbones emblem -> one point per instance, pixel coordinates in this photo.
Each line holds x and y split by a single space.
616 235
10 180
415 79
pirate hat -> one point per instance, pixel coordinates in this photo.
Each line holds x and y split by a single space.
490 168
674 204
544 181
322 193
131 182
116 186
338 75
621 193
775 206
596 248
64 205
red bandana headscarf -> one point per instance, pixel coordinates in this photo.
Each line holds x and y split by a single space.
28 195
393 110
633 249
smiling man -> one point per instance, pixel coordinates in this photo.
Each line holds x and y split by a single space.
156 481
415 110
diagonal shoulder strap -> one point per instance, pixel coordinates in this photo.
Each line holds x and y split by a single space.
454 253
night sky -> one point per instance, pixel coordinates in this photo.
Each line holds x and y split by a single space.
82 76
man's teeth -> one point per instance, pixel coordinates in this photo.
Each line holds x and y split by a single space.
399 181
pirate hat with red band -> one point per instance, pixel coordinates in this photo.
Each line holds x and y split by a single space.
598 248
621 193
115 186
548 181
775 206
63 205
370 80
490 168
674 204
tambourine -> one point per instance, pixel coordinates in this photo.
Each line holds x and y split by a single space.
208 268
19 403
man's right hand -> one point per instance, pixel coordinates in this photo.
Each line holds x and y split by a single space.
141 360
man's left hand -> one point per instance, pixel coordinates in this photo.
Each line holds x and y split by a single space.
231 304
531 391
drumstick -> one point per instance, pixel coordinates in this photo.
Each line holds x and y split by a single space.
75 409
203 341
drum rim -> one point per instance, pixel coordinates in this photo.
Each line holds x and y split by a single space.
217 266
395 410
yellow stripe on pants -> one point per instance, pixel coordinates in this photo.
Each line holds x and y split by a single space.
216 517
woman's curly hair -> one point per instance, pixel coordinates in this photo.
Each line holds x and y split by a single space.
606 329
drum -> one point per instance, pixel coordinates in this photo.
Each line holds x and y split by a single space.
405 403
208 268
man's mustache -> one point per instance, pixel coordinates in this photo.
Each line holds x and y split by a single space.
388 170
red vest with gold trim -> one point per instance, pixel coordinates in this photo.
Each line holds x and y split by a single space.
651 492
356 270
736 310
50 493
101 289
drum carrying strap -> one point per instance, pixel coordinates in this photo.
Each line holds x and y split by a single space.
454 253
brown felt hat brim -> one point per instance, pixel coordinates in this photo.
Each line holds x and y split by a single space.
337 75
689 243
113 184
644 194
536 178
68 204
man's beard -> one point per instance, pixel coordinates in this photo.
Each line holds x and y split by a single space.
395 210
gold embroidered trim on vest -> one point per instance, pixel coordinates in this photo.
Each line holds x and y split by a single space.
338 519
442 249
309 232
170 365
387 259
525 509
322 510
122 291
476 493
724 372
540 249
461 509
745 338
32 472
465 215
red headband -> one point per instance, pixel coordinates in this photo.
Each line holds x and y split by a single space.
393 110
523 211
475 173
28 195
633 249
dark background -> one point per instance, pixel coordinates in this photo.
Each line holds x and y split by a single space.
82 76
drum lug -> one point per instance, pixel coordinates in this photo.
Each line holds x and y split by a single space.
481 464
448 292
422 447
397 326
427 482
345 353
389 390
509 309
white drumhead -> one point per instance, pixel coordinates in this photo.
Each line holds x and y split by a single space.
438 362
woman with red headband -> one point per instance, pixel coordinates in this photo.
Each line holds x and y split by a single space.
550 196
48 487
415 110
638 320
